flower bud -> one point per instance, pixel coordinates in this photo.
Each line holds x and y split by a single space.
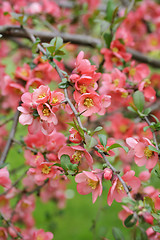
107 173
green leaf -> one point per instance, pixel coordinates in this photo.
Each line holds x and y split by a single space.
157 120
130 221
147 111
139 101
145 128
153 149
149 201
117 234
103 139
52 64
117 145
109 11
156 228
131 109
90 142
108 39
63 85
128 200
34 46
65 161
21 18
97 129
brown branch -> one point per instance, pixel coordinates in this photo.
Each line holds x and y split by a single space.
6 121
70 5
84 40
11 136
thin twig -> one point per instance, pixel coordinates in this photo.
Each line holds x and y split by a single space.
6 121
11 136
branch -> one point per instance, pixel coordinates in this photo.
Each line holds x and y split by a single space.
11 136
84 40
77 115
6 121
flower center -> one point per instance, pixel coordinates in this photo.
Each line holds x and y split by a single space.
132 72
46 111
93 184
46 169
2 233
42 96
116 82
24 73
54 100
25 205
119 186
40 238
123 128
114 59
115 49
83 89
148 153
147 82
39 74
124 94
154 42
88 102
77 156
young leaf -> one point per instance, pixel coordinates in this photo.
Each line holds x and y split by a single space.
97 129
117 234
156 228
65 161
139 101
117 145
130 221
153 149
103 139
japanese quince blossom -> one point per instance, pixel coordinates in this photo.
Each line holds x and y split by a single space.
90 182
38 109
76 154
117 190
139 148
41 235
4 178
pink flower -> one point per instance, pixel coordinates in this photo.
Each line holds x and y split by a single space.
142 154
90 182
117 190
90 103
41 235
3 233
74 136
76 154
4 178
45 112
41 94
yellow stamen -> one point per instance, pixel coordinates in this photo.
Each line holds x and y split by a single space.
115 49
147 82
39 74
77 156
2 233
124 94
83 89
116 82
119 187
24 73
132 72
88 102
154 42
42 96
148 153
114 59
123 128
46 111
46 169
93 184
54 100
25 205
39 238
